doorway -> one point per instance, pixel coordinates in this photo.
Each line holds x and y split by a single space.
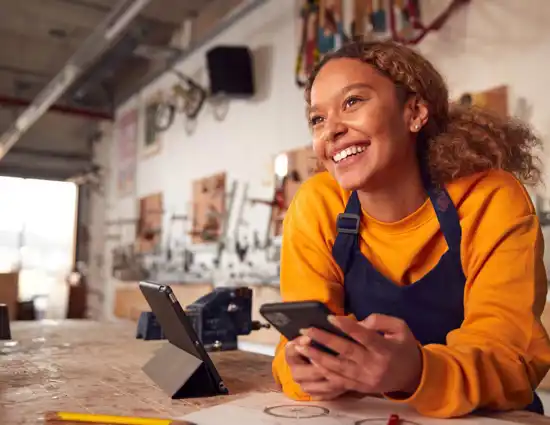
37 239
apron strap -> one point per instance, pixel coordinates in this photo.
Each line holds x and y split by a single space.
348 225
347 238
448 218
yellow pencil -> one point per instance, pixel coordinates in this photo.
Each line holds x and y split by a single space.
111 420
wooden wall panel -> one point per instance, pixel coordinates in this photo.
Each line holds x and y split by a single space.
149 229
495 99
208 208
302 164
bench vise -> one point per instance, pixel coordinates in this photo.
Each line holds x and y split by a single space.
221 316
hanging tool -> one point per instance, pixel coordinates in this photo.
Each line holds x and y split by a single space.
424 30
379 16
331 33
187 97
169 250
308 52
257 243
362 25
225 224
241 248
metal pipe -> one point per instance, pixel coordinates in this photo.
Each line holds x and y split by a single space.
40 153
69 110
101 39
34 172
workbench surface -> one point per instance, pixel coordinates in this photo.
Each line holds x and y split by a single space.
96 368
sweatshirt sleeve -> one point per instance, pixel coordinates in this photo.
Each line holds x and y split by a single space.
501 352
308 272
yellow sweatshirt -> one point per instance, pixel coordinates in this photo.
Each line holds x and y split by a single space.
501 352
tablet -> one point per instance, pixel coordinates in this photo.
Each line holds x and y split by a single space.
178 329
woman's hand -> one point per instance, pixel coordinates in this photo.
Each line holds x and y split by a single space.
310 378
386 363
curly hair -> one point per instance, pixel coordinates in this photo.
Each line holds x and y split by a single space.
457 140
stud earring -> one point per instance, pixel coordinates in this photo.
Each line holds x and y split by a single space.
416 127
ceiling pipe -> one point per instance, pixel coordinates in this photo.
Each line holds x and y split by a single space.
39 153
103 36
36 172
69 110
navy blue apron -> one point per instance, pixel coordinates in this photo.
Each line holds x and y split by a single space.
432 306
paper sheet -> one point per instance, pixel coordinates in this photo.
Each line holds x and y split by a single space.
276 409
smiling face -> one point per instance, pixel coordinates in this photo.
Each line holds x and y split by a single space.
363 130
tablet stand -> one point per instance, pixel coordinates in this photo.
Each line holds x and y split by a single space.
180 374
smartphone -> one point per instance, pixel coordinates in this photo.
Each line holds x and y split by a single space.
289 317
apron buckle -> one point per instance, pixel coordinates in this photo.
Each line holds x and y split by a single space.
348 223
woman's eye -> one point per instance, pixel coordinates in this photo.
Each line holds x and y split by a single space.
352 100
315 120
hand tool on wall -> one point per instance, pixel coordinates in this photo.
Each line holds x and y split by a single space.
379 15
241 244
361 25
308 53
169 237
230 199
187 97
126 264
423 30
331 33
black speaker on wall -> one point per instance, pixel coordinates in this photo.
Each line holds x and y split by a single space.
230 69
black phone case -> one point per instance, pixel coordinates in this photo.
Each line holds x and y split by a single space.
289 317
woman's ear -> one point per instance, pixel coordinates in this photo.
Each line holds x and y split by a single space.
418 114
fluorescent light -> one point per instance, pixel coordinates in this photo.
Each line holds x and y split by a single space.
8 140
122 22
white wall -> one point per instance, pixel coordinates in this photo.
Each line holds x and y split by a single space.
487 43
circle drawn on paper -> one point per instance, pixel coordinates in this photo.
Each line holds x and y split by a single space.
293 411
382 421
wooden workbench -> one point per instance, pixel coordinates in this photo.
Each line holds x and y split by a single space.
96 368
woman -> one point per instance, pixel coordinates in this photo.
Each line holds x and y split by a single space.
436 266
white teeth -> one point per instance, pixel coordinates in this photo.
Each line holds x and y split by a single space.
343 154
